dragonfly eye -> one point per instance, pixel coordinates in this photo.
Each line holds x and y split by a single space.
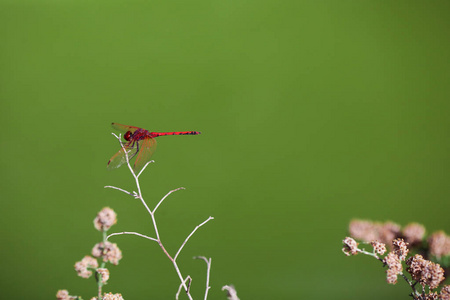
127 135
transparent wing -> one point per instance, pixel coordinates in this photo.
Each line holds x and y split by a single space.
124 128
146 148
119 158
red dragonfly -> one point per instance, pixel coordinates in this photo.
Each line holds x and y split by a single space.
140 142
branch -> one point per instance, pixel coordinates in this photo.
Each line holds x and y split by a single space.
208 271
152 161
369 253
138 195
119 189
163 198
415 293
189 236
181 285
135 233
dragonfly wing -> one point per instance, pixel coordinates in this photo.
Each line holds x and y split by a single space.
124 128
146 148
119 158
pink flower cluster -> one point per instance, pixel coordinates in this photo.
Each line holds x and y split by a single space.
106 251
427 273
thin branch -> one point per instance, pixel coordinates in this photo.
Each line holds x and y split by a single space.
119 189
208 271
98 275
177 269
158 239
134 233
152 161
181 285
99 288
118 137
163 198
189 236
369 253
410 282
138 195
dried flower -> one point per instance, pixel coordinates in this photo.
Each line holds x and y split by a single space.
394 267
82 270
431 296
104 273
425 271
64 295
415 264
439 244
370 231
109 251
82 266
400 248
363 230
389 231
111 296
231 292
413 233
105 219
378 247
350 246
445 293
433 275
391 276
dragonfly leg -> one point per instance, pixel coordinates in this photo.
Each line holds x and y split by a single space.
135 152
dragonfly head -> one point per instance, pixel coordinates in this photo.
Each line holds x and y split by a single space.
127 135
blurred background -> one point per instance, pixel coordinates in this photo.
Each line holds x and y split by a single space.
312 113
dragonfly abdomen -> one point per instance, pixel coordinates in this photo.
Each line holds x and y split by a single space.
156 134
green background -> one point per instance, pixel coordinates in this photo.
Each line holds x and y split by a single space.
312 113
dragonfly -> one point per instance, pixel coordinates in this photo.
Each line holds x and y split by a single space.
140 143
